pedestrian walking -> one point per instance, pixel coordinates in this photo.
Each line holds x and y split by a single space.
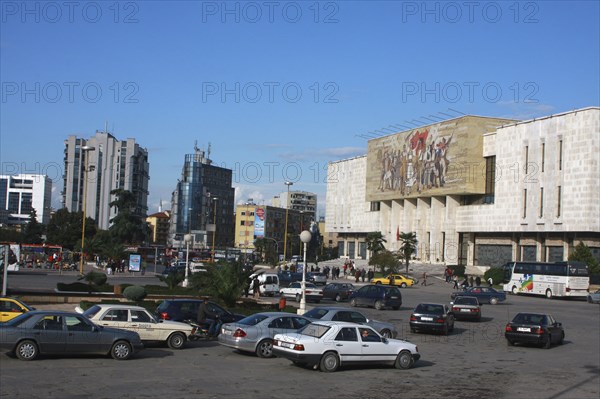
256 287
424 282
490 281
455 280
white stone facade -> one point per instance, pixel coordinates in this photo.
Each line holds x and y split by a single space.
546 198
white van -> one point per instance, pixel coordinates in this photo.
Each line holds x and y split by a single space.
269 283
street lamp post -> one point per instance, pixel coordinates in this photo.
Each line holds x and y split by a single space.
214 228
287 202
305 237
187 238
84 149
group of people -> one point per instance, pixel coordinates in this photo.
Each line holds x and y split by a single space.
362 274
468 281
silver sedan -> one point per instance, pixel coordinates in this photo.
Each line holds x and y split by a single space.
255 333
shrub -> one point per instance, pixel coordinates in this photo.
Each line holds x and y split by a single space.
135 293
458 270
496 273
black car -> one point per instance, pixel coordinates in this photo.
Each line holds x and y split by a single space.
534 328
338 291
55 332
286 278
432 317
187 309
174 270
377 296
483 294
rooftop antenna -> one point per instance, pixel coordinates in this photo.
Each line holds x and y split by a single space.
196 149
208 151
106 127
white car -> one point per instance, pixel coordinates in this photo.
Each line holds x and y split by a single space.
138 319
327 345
294 290
196 267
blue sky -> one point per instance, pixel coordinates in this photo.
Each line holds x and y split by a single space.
278 89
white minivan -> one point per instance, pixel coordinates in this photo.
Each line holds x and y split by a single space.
269 283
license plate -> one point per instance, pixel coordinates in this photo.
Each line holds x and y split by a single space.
427 318
523 329
227 332
286 345
394 297
464 310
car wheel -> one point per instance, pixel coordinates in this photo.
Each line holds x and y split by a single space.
378 305
379 282
176 340
121 350
548 342
329 362
26 350
403 285
265 348
404 360
386 333
562 338
549 293
298 297
510 342
514 290
493 300
353 302
338 298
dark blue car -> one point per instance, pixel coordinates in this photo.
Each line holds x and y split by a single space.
377 296
483 294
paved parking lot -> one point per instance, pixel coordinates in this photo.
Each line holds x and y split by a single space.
473 362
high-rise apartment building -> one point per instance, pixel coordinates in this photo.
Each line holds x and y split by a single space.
111 164
301 201
203 199
20 194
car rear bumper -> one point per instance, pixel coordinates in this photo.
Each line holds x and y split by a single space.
525 338
427 326
294 356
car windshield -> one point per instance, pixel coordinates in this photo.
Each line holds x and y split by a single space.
429 309
17 320
92 311
314 330
528 318
393 291
466 301
316 313
252 320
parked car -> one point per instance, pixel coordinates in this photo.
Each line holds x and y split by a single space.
316 278
432 317
197 267
483 294
187 309
386 330
338 291
12 307
466 308
294 290
377 296
286 277
138 319
399 279
255 333
331 344
269 283
55 332
174 270
594 297
534 328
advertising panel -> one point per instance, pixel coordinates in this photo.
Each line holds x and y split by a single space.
135 262
259 222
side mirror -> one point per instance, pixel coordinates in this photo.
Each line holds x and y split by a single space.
384 340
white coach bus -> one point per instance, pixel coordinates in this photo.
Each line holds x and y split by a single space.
561 279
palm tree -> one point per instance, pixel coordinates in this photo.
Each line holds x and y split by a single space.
408 247
375 242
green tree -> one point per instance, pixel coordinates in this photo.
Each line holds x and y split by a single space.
375 242
387 261
408 247
10 234
32 233
582 253
127 226
172 280
94 279
225 282
64 229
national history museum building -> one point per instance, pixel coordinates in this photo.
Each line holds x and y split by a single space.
477 191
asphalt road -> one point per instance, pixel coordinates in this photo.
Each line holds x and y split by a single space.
473 362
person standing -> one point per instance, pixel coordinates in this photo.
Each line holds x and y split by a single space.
424 282
490 281
256 287
455 280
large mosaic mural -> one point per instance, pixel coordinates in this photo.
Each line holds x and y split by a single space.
439 159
